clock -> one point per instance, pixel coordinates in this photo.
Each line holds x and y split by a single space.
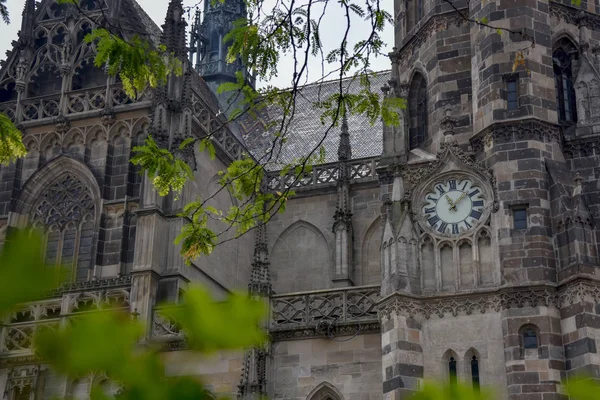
454 206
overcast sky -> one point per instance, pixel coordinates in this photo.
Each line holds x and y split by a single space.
333 26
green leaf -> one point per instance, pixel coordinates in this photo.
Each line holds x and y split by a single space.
210 326
11 144
21 259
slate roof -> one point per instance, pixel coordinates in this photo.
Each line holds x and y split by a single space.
305 129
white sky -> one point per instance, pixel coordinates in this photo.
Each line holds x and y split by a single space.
333 26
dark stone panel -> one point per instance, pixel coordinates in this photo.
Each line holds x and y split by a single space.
392 384
409 346
415 371
522 378
580 347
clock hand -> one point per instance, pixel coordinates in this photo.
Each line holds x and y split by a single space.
453 205
462 196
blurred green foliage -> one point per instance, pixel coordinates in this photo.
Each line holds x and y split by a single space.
114 342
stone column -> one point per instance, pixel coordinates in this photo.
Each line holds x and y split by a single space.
402 352
535 372
580 324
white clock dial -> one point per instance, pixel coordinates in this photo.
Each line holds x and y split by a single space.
454 206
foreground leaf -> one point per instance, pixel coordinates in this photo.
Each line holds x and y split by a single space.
20 260
11 144
210 326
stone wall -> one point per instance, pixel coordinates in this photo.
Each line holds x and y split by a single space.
301 241
220 373
351 364
463 337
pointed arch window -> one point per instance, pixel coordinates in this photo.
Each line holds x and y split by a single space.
475 372
452 374
65 211
563 82
417 111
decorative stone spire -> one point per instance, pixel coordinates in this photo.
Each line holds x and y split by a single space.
174 36
342 225
254 371
214 67
26 32
344 149
260 278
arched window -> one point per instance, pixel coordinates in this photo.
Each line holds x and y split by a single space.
325 391
475 372
66 212
452 370
417 103
530 338
563 82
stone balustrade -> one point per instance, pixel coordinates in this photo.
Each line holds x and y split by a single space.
359 170
18 330
324 312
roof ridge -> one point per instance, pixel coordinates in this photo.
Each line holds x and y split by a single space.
321 82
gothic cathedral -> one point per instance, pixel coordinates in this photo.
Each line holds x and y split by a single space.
459 246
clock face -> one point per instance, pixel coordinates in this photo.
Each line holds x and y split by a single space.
454 206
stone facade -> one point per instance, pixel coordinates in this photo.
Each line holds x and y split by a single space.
369 292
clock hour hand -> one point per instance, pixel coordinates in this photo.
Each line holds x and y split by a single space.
452 204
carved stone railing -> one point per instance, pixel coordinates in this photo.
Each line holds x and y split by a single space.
17 331
360 170
75 102
344 311
163 328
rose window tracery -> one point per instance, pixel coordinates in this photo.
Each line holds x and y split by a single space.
67 200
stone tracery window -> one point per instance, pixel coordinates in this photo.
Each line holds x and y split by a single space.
563 82
66 213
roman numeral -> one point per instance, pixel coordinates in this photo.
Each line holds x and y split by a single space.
432 199
467 225
452 184
429 210
475 214
478 203
474 192
455 229
442 227
440 189
433 220
464 186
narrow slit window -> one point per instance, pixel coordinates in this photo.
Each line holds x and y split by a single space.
452 370
512 95
475 372
520 218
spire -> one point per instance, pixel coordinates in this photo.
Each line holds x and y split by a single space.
344 148
26 33
254 370
219 18
174 29
260 278
342 219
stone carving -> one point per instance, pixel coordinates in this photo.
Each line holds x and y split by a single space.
507 133
164 328
574 16
22 381
322 174
301 311
418 173
68 199
491 301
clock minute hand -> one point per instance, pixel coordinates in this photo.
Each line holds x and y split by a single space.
462 196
